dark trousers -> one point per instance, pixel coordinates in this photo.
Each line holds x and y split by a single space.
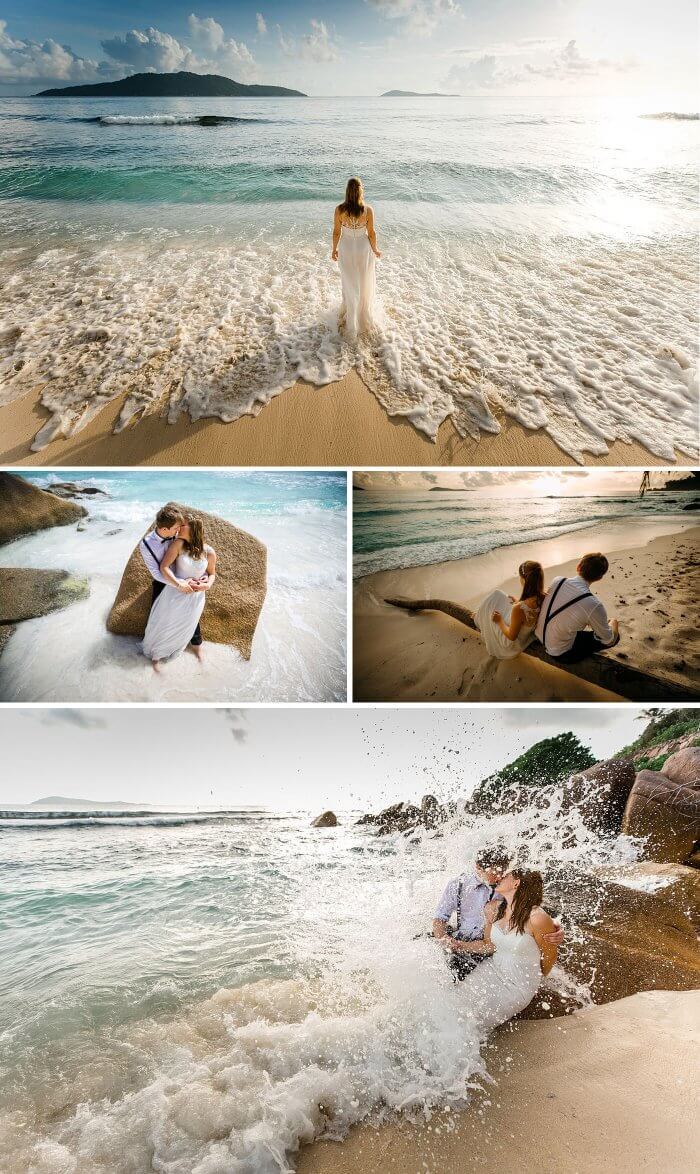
585 644
462 964
157 588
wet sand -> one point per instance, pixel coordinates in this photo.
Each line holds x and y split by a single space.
652 587
337 425
609 1088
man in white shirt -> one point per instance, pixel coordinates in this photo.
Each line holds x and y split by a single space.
573 622
466 898
153 548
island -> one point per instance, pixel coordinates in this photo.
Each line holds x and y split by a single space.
171 85
414 94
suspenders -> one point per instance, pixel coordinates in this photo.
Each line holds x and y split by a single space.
551 615
150 549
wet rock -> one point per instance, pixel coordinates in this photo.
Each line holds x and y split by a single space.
684 766
6 631
600 793
665 812
327 819
26 593
24 509
69 489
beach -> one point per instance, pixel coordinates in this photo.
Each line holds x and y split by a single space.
651 585
298 651
338 425
562 1091
527 313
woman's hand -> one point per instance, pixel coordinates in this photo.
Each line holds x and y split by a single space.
376 253
184 587
496 617
334 255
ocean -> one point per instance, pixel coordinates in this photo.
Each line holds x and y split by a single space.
392 530
299 647
539 255
207 990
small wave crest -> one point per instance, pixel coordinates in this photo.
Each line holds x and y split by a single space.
672 116
168 120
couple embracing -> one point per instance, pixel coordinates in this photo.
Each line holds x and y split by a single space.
183 568
503 943
568 619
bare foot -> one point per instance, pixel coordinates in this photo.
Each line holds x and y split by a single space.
199 652
156 666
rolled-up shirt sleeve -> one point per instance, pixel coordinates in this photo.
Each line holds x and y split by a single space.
598 621
447 905
152 564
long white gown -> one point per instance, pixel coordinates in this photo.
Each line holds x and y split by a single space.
505 983
496 643
174 615
356 262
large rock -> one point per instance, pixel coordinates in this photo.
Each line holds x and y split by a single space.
600 793
676 883
6 631
71 489
326 820
26 593
24 509
667 813
623 940
684 766
233 604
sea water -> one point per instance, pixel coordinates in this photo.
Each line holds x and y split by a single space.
299 646
539 256
207 990
395 529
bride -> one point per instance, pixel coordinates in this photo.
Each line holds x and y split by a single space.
520 956
508 625
355 250
189 566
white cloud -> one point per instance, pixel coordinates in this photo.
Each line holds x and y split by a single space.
483 73
23 61
260 24
153 51
569 63
315 46
416 16
206 32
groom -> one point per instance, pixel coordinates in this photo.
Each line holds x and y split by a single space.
153 548
573 622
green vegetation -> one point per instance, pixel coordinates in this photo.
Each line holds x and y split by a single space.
664 726
545 763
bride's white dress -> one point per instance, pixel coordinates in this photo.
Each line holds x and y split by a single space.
174 615
496 643
356 262
505 983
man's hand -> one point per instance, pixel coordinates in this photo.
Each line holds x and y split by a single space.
556 938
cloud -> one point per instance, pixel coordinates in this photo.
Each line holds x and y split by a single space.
237 719
483 73
23 61
153 51
569 63
416 17
553 719
261 24
315 46
82 719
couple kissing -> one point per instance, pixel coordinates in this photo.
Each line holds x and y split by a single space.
183 568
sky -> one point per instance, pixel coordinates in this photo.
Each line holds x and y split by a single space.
618 48
287 759
520 482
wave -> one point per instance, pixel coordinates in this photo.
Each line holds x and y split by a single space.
672 116
58 820
168 119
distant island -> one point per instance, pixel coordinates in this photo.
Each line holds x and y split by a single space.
172 85
82 804
413 94
449 489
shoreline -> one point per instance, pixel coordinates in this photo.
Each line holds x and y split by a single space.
335 425
562 1087
399 656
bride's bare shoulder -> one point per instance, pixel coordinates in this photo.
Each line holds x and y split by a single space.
540 920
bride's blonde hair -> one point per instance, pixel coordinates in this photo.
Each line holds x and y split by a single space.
194 545
354 202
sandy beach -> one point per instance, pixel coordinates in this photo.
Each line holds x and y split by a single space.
609 1088
651 588
340 424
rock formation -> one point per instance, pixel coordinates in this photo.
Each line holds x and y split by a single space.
665 810
26 593
327 819
24 509
234 602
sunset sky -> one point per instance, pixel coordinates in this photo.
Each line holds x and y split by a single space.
520 482
618 48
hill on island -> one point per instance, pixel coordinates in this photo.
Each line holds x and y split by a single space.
171 85
413 94
82 804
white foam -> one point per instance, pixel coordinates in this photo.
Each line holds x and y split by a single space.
540 329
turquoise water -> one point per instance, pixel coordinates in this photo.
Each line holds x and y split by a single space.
408 529
299 648
539 256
